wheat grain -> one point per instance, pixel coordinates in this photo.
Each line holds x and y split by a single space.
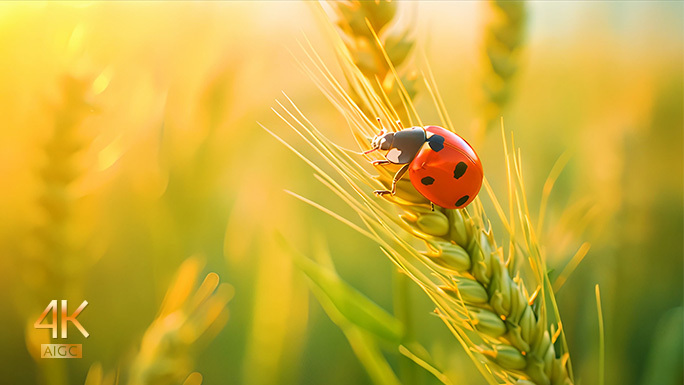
482 299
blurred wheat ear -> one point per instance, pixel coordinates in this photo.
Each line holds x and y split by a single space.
56 259
513 335
55 254
186 314
501 47
370 33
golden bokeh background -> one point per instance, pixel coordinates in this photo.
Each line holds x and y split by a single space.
129 144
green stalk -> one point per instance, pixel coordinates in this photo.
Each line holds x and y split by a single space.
401 293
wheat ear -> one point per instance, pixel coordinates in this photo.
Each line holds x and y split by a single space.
482 299
54 256
54 262
366 28
373 39
501 47
185 315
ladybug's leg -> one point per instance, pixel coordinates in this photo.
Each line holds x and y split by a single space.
380 162
432 206
397 176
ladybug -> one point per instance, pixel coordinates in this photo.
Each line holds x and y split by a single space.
442 166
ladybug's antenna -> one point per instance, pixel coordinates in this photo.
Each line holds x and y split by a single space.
401 127
382 128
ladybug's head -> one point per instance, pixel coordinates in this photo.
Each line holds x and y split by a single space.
383 141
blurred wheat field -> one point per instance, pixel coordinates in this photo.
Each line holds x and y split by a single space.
135 176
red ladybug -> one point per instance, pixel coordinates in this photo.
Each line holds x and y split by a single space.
442 165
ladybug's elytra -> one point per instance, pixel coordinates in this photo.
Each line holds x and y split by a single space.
442 166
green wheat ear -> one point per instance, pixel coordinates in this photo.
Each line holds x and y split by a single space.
479 289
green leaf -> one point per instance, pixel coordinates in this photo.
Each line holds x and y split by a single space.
363 343
362 321
351 304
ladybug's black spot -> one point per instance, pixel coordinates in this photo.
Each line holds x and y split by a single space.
436 143
428 180
463 200
460 170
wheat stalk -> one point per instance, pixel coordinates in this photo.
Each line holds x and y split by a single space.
482 299
503 40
